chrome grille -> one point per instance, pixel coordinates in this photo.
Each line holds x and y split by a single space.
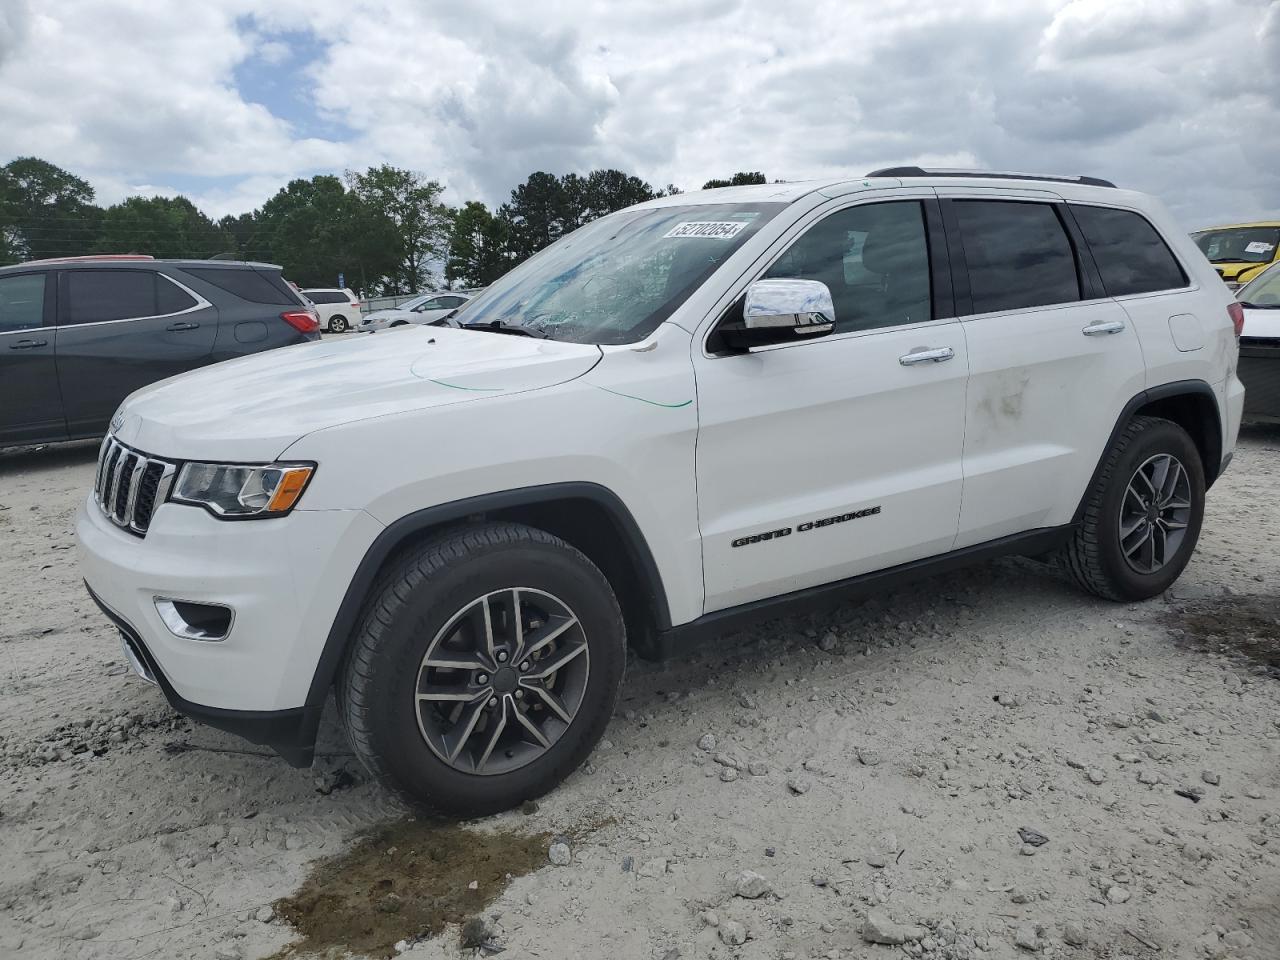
129 484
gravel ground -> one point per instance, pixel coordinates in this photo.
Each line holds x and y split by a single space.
887 770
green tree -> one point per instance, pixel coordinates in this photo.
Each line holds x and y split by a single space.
317 229
44 211
537 214
159 226
609 190
407 219
737 180
478 247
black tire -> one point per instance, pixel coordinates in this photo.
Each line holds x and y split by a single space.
1094 557
338 324
400 323
414 602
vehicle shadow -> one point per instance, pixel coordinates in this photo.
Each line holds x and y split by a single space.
49 456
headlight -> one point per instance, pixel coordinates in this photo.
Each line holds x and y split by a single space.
233 492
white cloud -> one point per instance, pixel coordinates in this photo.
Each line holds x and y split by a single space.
1156 94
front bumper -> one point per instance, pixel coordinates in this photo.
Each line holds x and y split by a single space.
283 577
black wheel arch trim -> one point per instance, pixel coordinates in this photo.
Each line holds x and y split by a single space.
1213 466
398 533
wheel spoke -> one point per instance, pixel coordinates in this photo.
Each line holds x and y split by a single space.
1159 547
457 738
551 700
532 728
1172 524
557 660
455 660
1129 491
553 628
1176 505
1139 543
436 692
1172 482
517 623
1127 529
499 725
1159 474
1141 474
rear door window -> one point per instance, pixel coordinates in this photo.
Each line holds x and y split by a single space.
171 298
248 284
1018 255
325 296
21 302
1130 254
97 296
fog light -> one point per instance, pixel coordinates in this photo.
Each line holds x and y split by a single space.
195 621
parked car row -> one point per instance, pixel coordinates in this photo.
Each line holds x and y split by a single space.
424 309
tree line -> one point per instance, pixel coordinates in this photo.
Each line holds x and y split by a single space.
385 230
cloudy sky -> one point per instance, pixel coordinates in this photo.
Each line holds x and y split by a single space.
226 100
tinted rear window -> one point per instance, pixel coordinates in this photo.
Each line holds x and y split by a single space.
325 296
95 296
1018 255
171 298
1130 254
248 284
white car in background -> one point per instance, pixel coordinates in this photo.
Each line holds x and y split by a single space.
425 309
338 308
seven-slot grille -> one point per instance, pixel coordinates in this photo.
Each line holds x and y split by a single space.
129 484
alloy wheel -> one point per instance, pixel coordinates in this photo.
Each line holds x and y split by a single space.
1155 513
502 680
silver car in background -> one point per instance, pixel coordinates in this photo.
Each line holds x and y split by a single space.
422 309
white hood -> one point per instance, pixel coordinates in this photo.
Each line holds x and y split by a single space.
251 409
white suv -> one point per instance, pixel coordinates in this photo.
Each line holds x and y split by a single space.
694 411
339 308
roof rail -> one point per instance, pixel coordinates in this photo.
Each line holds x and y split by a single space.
921 172
92 256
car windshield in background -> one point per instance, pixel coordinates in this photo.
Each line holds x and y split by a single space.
615 280
1263 291
1239 244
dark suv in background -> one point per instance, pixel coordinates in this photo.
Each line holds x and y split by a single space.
79 335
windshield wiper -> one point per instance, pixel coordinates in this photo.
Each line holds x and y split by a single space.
1260 306
497 326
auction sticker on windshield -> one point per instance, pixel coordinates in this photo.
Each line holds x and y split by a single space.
1257 246
716 229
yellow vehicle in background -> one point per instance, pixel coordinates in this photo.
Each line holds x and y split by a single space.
1241 251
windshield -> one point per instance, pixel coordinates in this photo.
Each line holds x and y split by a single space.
616 279
1239 244
1263 290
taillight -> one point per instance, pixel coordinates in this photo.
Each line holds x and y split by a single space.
1235 310
300 320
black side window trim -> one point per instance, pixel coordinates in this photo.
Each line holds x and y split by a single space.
1088 279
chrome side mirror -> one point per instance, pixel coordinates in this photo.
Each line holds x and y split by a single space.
783 311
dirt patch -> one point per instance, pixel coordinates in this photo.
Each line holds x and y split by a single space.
1249 626
407 881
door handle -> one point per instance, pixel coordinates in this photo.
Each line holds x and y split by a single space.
183 326
28 344
1103 327
936 355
